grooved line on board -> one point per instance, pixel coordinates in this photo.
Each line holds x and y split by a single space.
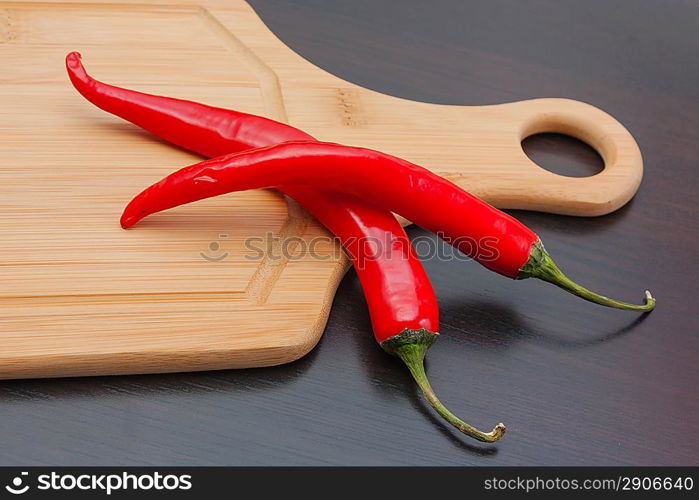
269 269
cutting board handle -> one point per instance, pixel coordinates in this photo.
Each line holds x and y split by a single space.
478 147
623 165
510 179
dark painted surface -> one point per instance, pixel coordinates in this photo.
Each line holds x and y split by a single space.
576 384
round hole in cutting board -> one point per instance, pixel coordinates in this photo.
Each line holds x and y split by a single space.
563 155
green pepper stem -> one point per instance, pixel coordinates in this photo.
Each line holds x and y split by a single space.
411 346
540 265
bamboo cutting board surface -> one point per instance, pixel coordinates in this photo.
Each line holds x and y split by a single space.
80 296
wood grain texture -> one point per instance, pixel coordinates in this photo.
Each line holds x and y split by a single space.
576 384
478 147
81 296
105 294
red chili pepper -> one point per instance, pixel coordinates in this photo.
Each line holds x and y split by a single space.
401 301
491 237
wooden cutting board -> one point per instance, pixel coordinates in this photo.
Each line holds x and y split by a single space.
80 296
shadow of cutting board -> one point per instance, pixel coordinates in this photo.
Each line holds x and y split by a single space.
186 290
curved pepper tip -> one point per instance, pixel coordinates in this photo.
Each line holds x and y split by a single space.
73 60
127 220
129 216
134 212
77 72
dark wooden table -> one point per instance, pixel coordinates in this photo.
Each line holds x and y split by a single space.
577 384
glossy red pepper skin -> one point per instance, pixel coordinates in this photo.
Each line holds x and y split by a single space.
398 292
479 230
197 127
401 302
397 289
491 237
